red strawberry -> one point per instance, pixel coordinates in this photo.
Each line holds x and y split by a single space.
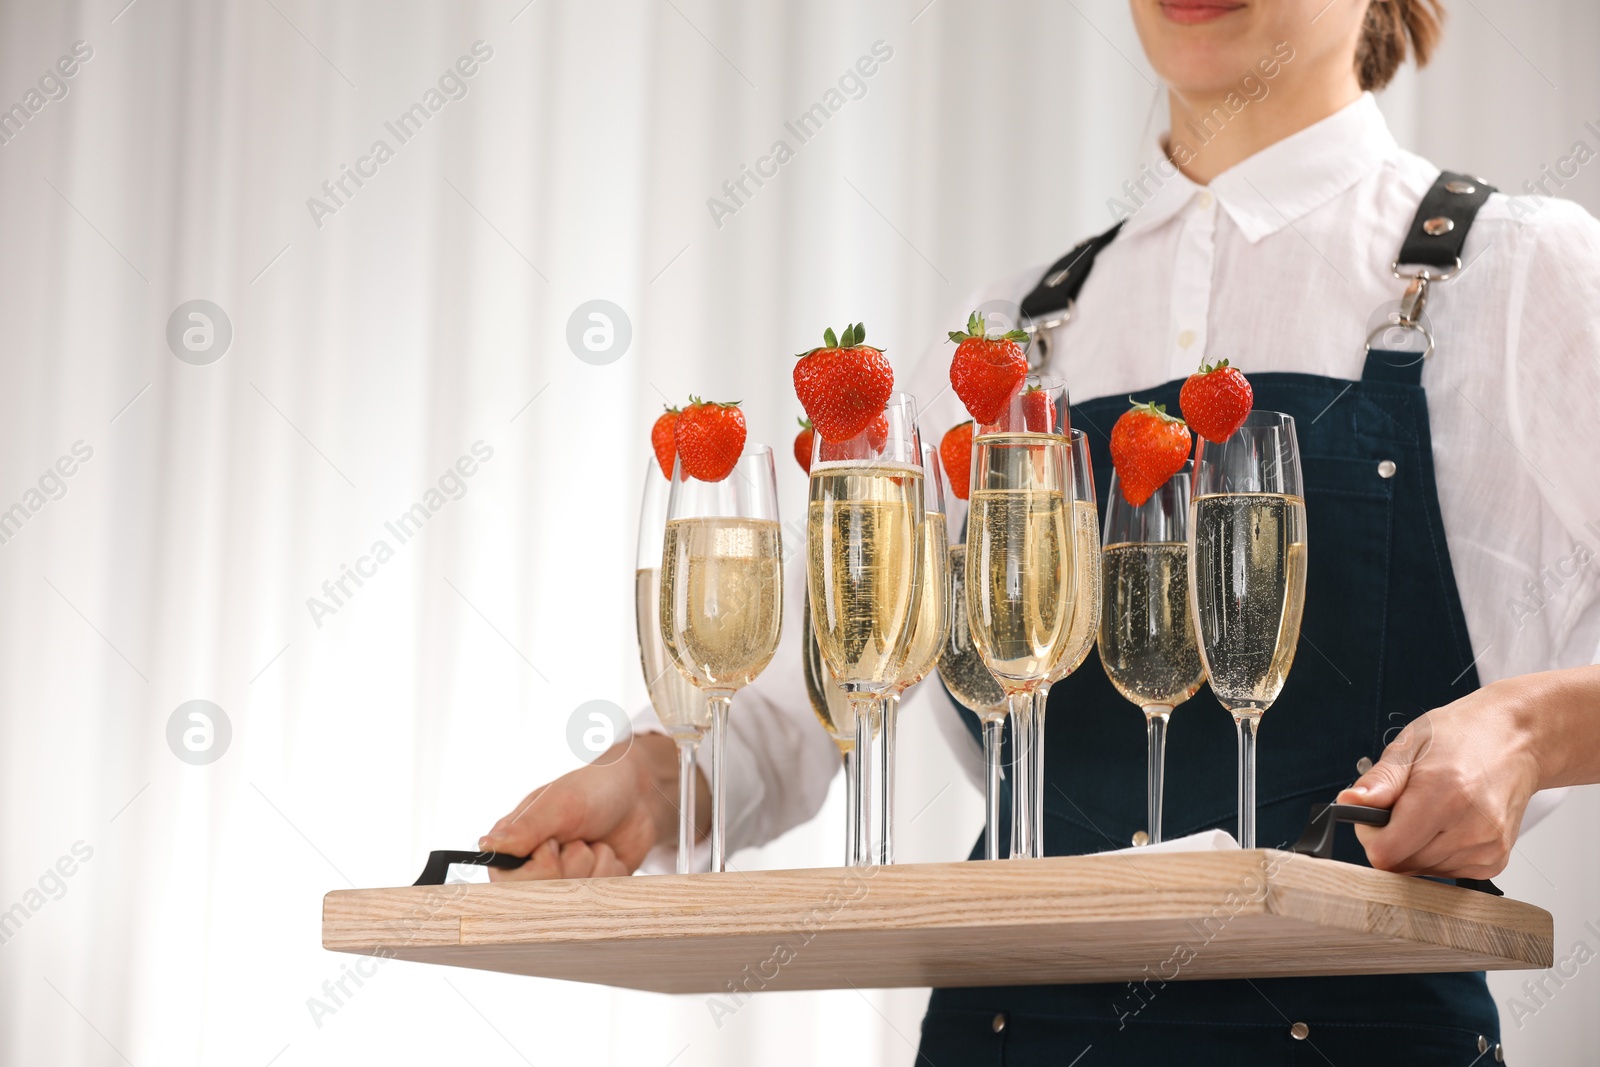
663 441
867 445
1215 401
803 444
1038 414
710 437
955 452
986 371
1148 446
878 432
843 385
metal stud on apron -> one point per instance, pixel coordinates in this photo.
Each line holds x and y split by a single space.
1383 640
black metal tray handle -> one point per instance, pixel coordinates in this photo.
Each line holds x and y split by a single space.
1318 837
439 864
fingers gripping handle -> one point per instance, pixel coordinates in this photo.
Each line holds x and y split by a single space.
1317 840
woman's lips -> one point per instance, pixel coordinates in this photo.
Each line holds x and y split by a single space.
1193 11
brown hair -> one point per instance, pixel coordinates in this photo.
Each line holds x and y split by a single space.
1392 29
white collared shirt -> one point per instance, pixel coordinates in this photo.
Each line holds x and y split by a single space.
1283 264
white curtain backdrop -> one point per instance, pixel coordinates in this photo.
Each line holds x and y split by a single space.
377 340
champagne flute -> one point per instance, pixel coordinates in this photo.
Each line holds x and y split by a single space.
722 595
960 665
927 638
1085 620
1020 582
863 536
1147 643
678 704
1247 576
832 708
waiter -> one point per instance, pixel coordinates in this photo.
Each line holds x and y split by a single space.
1452 492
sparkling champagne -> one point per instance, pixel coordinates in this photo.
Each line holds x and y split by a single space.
861 567
1019 579
960 664
1249 576
933 614
1086 583
828 701
1146 632
678 704
721 598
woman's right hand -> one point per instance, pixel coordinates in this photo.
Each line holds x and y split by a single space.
601 820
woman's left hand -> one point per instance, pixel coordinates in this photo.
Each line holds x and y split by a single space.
1457 780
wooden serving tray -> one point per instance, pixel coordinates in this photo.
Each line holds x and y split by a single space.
1111 918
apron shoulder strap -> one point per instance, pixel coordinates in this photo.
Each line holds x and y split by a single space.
1432 247
1052 298
1439 230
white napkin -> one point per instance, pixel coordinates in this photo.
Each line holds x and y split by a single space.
1204 841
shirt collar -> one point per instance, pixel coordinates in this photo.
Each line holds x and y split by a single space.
1284 181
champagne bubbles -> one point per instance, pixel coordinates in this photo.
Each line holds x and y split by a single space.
199 332
594 728
198 732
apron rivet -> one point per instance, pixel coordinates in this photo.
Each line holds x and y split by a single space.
1141 838
1438 226
1299 1031
1499 1054
1483 1044
1363 765
998 1023
1386 468
1461 188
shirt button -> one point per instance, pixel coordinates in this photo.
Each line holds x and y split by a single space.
1299 1031
998 1023
1386 469
1186 338
1205 199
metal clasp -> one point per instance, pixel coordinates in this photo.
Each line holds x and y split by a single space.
1415 300
1409 317
1425 272
1039 333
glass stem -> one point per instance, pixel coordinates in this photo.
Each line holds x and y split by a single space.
1018 846
1022 766
891 709
852 798
993 739
719 704
1245 723
1041 698
865 708
686 792
1155 719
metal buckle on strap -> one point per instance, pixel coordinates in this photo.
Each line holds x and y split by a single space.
1409 317
1426 273
1039 332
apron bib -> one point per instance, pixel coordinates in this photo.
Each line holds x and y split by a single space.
1382 641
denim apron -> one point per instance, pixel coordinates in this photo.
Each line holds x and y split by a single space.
1383 640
